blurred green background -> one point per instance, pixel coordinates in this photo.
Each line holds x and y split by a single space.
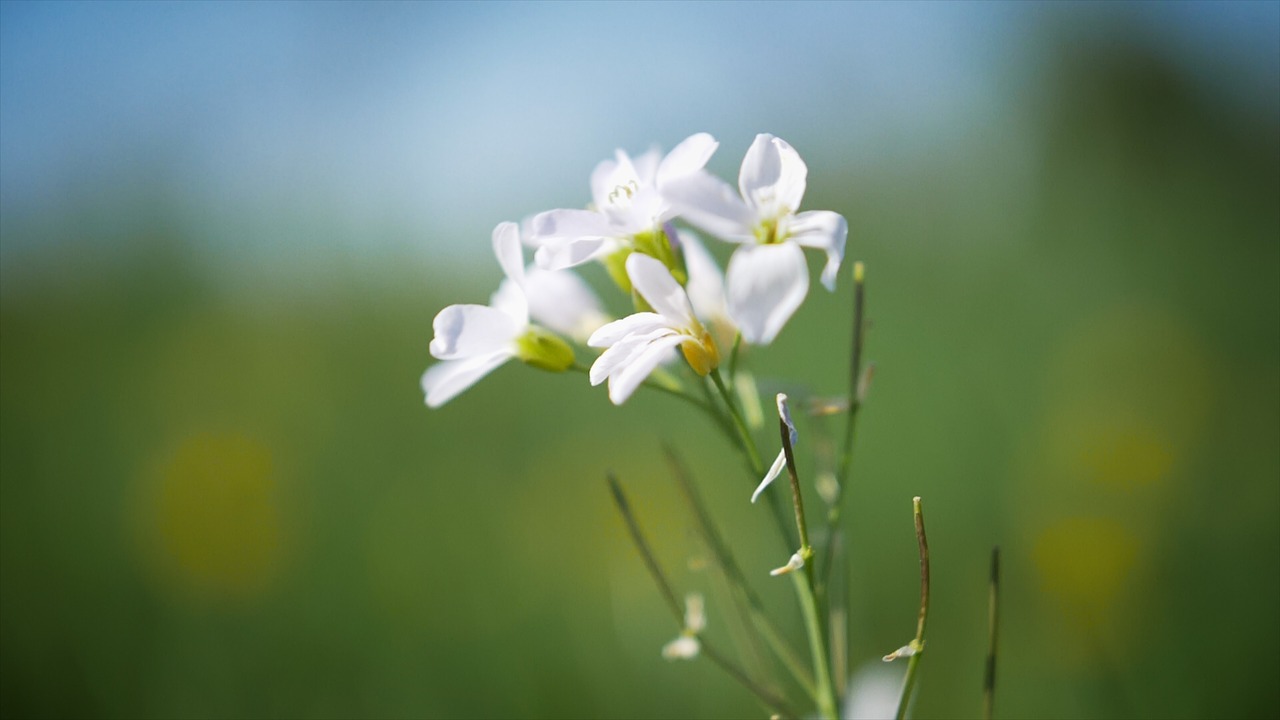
226 229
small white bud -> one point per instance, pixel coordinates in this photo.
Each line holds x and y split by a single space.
685 647
695 617
795 563
827 486
905 651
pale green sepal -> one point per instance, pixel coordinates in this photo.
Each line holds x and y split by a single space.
544 349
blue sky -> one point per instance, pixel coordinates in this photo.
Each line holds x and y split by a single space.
454 116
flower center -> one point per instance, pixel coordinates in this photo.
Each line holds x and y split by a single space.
772 230
620 196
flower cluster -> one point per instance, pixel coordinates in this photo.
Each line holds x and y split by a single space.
682 300
685 318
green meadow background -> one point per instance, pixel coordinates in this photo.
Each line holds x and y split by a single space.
221 494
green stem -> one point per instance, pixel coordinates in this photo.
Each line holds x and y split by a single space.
797 499
736 579
744 435
733 357
804 583
855 375
993 624
664 586
813 625
748 446
851 417
917 645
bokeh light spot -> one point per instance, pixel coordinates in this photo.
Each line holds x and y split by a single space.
1085 561
1129 458
213 514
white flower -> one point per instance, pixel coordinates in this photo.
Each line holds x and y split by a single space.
638 343
706 283
767 276
563 302
627 202
686 645
472 340
784 412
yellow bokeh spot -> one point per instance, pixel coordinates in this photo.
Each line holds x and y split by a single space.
1085 562
213 518
1129 457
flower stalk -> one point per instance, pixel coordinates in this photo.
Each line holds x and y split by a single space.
770 700
804 583
737 580
915 649
993 625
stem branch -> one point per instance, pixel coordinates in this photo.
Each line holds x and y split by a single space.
664 586
993 623
804 583
917 645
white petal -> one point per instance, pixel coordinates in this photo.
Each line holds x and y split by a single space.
825 230
622 353
690 156
653 281
444 380
509 298
570 224
562 253
774 471
640 213
772 178
784 414
706 283
506 245
636 324
563 302
766 284
463 331
646 166
625 381
711 204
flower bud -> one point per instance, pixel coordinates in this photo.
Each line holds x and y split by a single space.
795 563
544 349
905 651
701 353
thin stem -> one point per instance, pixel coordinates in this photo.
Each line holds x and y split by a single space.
917 645
826 697
664 586
748 445
733 356
804 582
735 577
856 390
993 624
837 597
855 373
650 561
796 497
